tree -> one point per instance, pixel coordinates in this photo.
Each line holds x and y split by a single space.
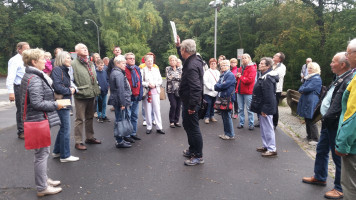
128 24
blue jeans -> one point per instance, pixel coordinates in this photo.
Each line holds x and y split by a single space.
101 105
133 112
325 144
243 99
210 109
61 146
119 116
228 125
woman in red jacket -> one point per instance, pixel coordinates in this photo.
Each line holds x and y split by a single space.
245 77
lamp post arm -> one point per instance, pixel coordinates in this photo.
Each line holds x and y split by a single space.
97 30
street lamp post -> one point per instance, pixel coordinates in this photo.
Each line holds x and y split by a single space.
215 4
97 29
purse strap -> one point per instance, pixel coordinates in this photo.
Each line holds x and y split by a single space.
25 105
213 76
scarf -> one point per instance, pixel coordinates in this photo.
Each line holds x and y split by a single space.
309 76
134 77
85 62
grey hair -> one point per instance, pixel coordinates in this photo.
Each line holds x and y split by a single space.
61 58
148 56
106 58
227 62
268 60
79 45
309 59
129 53
189 46
343 59
172 57
119 58
315 66
352 44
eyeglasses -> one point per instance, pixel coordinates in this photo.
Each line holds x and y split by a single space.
130 58
347 54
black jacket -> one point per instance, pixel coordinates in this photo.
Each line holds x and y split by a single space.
264 93
191 87
40 98
331 118
61 81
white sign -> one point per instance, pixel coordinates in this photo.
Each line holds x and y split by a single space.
173 25
239 53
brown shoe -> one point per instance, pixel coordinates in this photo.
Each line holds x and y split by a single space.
269 153
261 149
334 194
80 146
213 119
21 136
313 181
92 141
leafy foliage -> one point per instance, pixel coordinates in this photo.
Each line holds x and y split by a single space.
299 28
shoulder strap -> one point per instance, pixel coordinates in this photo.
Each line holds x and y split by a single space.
213 75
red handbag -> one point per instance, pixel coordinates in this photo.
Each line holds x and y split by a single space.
37 134
223 104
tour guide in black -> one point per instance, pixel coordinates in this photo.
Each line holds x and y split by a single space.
190 92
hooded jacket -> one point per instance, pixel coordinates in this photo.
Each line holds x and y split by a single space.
120 90
40 98
264 93
310 91
346 134
247 79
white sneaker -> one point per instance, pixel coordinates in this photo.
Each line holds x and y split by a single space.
154 122
49 190
53 183
70 159
144 123
56 155
313 143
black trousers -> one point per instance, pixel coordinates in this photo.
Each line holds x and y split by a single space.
174 110
191 126
276 116
312 130
18 97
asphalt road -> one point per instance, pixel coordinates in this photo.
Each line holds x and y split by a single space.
153 168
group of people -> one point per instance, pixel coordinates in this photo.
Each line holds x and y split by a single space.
256 89
337 108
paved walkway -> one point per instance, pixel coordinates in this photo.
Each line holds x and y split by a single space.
153 168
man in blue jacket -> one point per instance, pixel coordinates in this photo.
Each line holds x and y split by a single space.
191 92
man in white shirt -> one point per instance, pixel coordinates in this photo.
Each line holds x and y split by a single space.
304 71
280 68
15 72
